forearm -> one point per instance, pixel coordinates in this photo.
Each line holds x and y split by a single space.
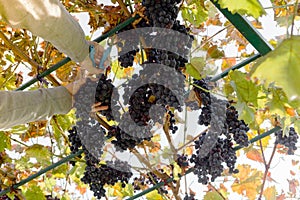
49 20
23 107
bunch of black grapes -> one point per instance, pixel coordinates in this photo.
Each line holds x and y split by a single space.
161 13
212 151
104 92
288 141
97 175
213 107
214 148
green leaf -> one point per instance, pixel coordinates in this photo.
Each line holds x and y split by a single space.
66 121
191 70
194 13
195 67
245 89
61 171
212 196
4 141
40 152
245 112
10 58
243 7
34 192
281 66
279 99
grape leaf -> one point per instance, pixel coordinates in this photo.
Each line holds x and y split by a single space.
281 66
297 125
293 185
34 192
245 112
249 181
121 73
212 196
194 13
195 67
4 141
248 7
40 152
270 193
246 90
277 103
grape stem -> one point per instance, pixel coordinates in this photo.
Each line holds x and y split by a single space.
166 131
192 140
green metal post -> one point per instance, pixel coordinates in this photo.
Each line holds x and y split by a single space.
247 30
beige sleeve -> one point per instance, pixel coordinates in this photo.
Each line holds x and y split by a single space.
50 20
20 107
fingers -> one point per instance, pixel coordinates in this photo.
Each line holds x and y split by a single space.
98 54
97 107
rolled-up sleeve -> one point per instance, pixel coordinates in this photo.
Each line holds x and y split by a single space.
20 107
50 20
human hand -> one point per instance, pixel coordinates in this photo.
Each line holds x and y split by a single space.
73 88
95 59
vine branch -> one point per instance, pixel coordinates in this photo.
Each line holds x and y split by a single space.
267 167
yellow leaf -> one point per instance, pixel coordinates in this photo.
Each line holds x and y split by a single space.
154 196
119 72
189 151
248 181
176 171
270 193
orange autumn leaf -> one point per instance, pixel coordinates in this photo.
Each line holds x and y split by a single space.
227 62
281 197
290 111
82 190
255 155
